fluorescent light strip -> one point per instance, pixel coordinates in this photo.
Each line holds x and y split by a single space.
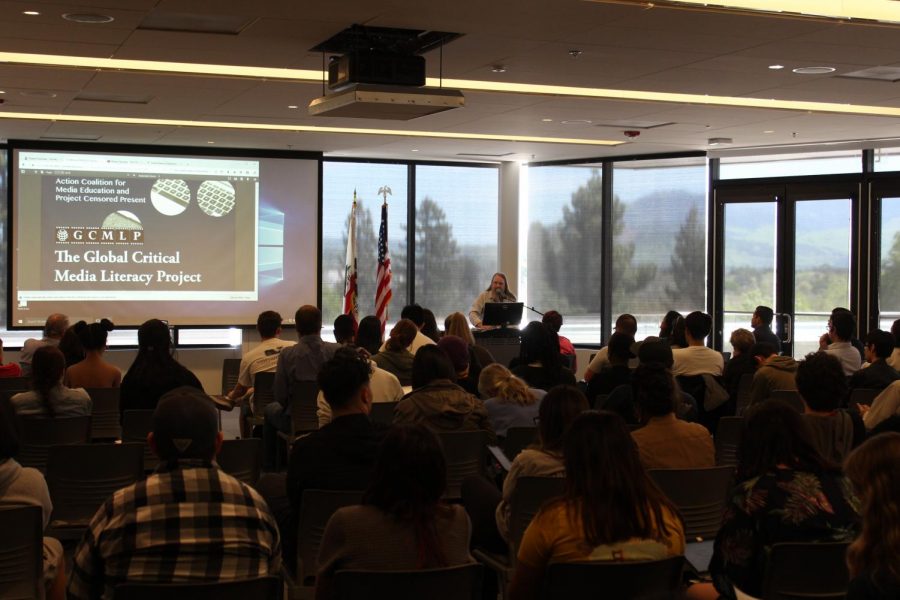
872 10
307 75
307 128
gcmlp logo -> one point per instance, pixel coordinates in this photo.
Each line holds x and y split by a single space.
98 235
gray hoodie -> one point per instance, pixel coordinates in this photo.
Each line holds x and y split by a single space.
24 486
777 373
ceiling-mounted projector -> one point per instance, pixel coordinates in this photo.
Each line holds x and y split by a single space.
380 74
367 101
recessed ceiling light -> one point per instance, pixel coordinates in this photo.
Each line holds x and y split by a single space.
293 106
2 91
414 150
547 120
576 122
31 13
498 69
38 94
717 141
210 142
769 131
94 18
813 70
776 67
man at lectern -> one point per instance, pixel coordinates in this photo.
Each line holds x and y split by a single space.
498 291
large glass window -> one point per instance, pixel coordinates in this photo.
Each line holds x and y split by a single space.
457 211
339 180
889 280
562 264
659 239
790 165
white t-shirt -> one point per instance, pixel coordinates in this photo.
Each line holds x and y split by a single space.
384 385
697 360
262 358
601 360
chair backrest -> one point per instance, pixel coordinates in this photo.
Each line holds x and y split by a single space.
242 459
530 494
728 438
231 368
600 401
862 396
136 424
304 410
271 588
105 413
40 433
790 397
806 570
383 412
743 393
13 384
517 439
263 391
636 580
464 452
21 552
699 494
82 476
450 583
316 507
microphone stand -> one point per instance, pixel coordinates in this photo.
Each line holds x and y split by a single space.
533 309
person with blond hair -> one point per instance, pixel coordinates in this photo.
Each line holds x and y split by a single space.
395 357
874 557
508 400
456 324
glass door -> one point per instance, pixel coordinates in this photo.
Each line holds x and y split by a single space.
886 253
790 247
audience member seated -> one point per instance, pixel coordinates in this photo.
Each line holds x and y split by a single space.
539 362
554 322
457 324
54 328
457 351
340 455
369 334
665 441
626 324
742 361
416 314
154 370
874 557
70 344
437 402
26 486
877 374
786 492
697 359
841 326
402 524
395 357
884 406
821 383
774 373
93 371
508 400
48 396
300 362
667 325
615 372
8 369
384 385
187 522
262 358
611 510
678 339
894 360
430 328
761 321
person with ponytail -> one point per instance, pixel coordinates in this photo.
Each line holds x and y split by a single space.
93 371
610 509
48 397
396 358
402 524
508 400
874 557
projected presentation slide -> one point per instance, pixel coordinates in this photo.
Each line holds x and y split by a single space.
195 240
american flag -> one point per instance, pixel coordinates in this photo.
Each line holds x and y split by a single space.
383 277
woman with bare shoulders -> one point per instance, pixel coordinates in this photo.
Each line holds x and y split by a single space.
93 371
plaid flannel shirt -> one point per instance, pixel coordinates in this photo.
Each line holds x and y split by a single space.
191 523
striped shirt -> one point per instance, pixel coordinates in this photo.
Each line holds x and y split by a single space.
192 523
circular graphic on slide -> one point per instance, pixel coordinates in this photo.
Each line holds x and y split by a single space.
216 198
122 219
170 196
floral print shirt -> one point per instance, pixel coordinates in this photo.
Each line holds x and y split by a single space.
783 505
